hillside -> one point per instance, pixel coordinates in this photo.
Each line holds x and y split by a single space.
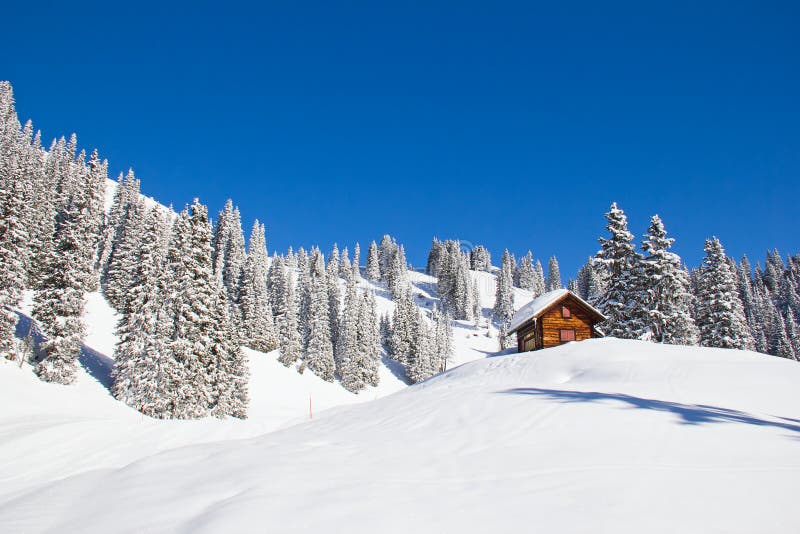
597 436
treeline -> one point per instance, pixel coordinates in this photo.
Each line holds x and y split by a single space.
652 295
189 293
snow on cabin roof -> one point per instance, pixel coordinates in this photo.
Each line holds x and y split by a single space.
539 304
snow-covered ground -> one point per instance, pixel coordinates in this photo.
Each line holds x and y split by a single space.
597 436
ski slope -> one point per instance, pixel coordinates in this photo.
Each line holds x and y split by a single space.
597 436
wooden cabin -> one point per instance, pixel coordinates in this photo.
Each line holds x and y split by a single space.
555 318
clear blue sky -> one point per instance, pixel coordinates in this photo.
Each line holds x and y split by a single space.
509 124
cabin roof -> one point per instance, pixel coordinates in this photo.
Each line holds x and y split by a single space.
538 306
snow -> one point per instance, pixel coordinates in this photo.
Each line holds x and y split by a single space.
600 435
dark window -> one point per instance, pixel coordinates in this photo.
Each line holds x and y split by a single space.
567 334
565 313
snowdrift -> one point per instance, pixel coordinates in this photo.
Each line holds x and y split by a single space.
596 436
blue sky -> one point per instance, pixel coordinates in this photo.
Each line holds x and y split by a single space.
508 124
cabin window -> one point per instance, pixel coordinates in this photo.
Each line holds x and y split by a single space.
565 313
567 334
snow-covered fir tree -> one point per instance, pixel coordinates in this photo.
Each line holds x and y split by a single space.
334 299
193 296
480 259
345 268
527 275
122 262
422 361
142 361
553 274
434 257
14 233
229 257
667 298
477 305
401 339
229 374
348 328
277 275
504 297
618 263
257 321
443 339
126 192
59 301
357 262
290 341
720 316
454 281
373 271
318 347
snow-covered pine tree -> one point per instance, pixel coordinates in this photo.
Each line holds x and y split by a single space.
59 302
357 262
97 175
41 212
668 297
385 330
588 284
221 238
258 324
229 372
553 274
720 316
454 283
127 191
373 271
504 297
345 268
793 333
475 302
527 277
419 364
443 339
480 259
14 235
141 359
318 346
396 275
276 285
401 338
290 342
539 284
123 260
229 258
751 305
334 300
360 352
434 257
369 338
291 259
303 294
301 260
617 263
348 331
386 253
193 296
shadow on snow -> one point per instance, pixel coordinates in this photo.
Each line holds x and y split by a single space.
690 414
98 365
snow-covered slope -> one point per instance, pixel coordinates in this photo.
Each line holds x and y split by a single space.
596 436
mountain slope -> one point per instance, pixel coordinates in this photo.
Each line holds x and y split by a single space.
597 436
